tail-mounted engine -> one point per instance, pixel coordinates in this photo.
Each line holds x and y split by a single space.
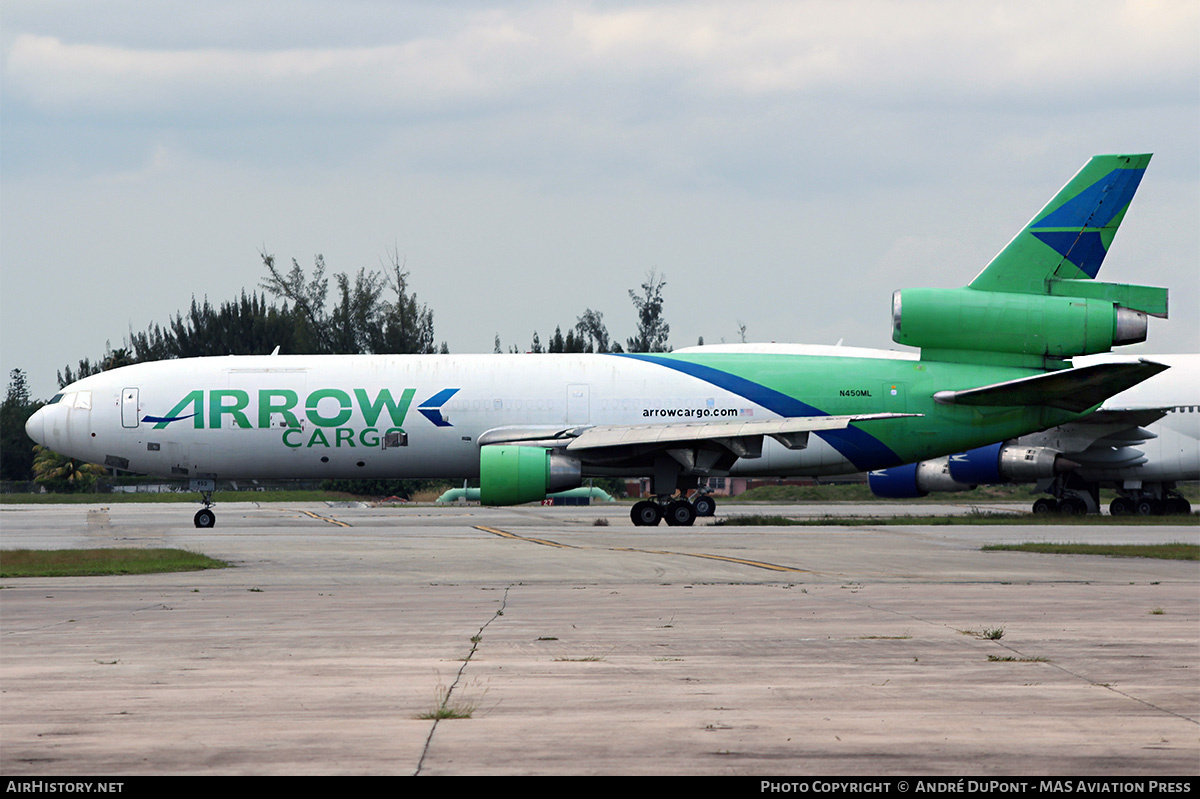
947 322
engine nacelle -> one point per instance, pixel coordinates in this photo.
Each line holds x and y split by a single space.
510 475
1003 463
996 321
915 480
995 463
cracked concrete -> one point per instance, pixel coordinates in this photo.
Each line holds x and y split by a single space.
593 650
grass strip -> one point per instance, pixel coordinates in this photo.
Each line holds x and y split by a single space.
1172 551
973 518
118 497
93 562
861 492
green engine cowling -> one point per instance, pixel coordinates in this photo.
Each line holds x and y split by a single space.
511 475
1032 325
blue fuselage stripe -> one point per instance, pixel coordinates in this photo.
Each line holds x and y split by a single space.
862 449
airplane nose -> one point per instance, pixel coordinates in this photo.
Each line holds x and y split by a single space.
35 426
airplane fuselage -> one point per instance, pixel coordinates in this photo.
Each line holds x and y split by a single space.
420 416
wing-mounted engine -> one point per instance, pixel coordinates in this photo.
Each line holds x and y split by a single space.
997 463
511 475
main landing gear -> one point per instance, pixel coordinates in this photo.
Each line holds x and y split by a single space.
1076 497
1171 504
677 512
667 480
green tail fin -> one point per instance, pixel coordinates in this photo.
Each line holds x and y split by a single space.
1037 303
1068 239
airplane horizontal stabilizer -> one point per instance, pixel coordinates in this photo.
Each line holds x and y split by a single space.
1073 390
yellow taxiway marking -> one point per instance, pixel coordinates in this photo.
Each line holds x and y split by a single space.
542 541
323 518
757 564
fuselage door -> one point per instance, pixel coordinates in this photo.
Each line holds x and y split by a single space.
129 407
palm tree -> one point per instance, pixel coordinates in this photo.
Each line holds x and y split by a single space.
116 359
61 474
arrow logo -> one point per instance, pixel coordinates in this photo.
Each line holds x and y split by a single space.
431 408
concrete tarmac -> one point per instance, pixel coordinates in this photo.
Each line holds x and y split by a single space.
584 649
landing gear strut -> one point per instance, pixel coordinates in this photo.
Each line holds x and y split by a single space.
1072 497
668 479
204 517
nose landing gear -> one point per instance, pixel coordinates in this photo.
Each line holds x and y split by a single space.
204 517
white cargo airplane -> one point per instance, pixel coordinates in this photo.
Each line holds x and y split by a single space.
994 364
1141 442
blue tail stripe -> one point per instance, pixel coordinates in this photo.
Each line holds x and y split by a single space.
1098 204
1084 249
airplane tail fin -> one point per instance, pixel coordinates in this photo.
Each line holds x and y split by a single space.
1069 237
1037 303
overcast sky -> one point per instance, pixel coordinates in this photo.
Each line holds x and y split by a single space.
785 165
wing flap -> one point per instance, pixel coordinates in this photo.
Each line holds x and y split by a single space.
789 431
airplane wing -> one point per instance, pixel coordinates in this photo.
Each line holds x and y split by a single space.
1106 439
739 439
792 432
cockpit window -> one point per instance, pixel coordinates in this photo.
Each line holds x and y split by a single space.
55 399
83 400
68 399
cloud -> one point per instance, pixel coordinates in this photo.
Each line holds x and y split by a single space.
940 52
58 77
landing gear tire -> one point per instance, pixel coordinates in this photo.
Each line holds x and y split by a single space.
1147 507
1177 506
705 506
645 514
1044 506
205 518
1121 506
680 513
1072 507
